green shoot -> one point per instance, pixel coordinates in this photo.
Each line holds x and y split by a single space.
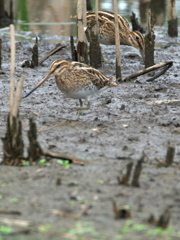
5 230
65 163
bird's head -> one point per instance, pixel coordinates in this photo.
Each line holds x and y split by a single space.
58 66
137 41
55 70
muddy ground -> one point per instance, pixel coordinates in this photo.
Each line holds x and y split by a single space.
123 122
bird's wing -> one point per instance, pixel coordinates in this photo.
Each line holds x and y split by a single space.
98 78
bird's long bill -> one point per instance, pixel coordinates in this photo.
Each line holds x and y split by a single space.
39 84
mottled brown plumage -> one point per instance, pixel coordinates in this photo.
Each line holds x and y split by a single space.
107 30
77 80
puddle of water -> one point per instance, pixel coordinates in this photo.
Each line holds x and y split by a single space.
52 17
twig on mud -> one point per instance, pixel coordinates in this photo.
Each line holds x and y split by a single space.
15 222
55 50
164 65
10 212
63 156
174 101
65 122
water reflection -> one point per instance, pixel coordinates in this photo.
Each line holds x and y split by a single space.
45 16
53 17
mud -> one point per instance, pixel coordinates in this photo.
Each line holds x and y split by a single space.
122 124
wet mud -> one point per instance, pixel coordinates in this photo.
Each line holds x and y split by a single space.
123 123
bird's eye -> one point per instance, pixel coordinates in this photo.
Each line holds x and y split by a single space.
137 38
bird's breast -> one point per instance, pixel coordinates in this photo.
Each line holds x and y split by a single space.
74 88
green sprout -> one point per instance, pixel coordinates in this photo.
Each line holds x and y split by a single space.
3 184
72 203
14 200
83 227
65 163
5 230
82 201
126 228
139 227
26 163
44 163
45 228
100 181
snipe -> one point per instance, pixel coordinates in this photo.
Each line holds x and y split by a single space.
107 30
77 80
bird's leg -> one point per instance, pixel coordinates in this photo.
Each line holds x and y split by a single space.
81 108
78 109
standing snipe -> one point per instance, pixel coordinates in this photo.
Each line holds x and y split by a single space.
77 80
107 30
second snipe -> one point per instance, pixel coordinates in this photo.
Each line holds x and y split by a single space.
107 30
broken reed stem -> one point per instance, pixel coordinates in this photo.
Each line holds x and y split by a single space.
89 5
82 24
34 150
96 18
73 49
17 99
62 156
149 42
135 24
12 35
35 53
137 172
164 219
125 178
13 142
170 156
95 49
0 52
172 19
164 65
55 50
11 10
122 212
117 42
